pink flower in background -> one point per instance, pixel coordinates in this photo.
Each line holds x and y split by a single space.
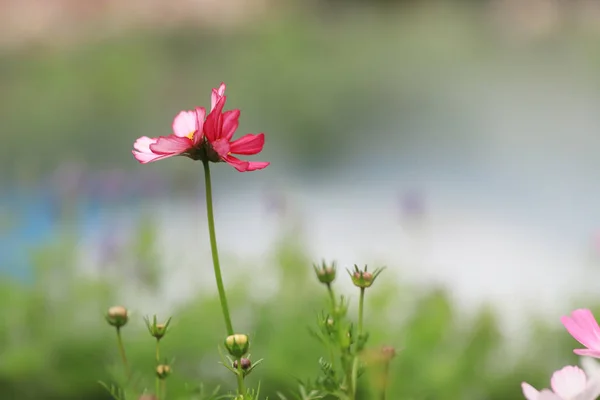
569 383
197 139
583 327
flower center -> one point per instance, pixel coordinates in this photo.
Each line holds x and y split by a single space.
190 135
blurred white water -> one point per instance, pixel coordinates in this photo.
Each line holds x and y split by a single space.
479 255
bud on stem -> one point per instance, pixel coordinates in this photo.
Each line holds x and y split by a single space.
163 371
363 278
237 345
157 330
325 273
117 316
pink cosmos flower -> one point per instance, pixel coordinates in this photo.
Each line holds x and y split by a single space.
569 383
219 129
197 139
583 327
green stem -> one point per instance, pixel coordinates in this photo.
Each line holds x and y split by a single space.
158 396
213 247
163 389
386 377
334 316
122 351
361 306
350 384
332 296
240 379
354 377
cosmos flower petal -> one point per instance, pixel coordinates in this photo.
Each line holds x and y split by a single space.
568 382
145 158
214 121
529 391
184 124
248 144
584 328
167 145
143 143
256 165
587 353
236 163
548 395
230 123
199 135
142 151
216 95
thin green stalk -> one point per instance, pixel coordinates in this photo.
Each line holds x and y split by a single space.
361 306
213 247
157 363
240 379
349 384
122 351
163 392
386 377
354 378
332 296
334 316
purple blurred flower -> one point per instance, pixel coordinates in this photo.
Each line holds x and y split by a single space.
412 205
275 203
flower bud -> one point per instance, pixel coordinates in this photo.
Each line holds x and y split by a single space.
237 345
148 397
117 316
246 363
388 352
363 278
325 273
155 329
163 371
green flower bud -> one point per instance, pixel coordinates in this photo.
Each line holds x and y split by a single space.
155 329
148 397
237 345
163 371
363 278
117 316
325 273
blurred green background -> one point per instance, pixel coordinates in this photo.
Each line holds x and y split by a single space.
484 106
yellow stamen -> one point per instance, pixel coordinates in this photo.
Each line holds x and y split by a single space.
190 135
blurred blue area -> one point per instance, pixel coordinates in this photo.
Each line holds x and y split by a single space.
35 219
31 221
